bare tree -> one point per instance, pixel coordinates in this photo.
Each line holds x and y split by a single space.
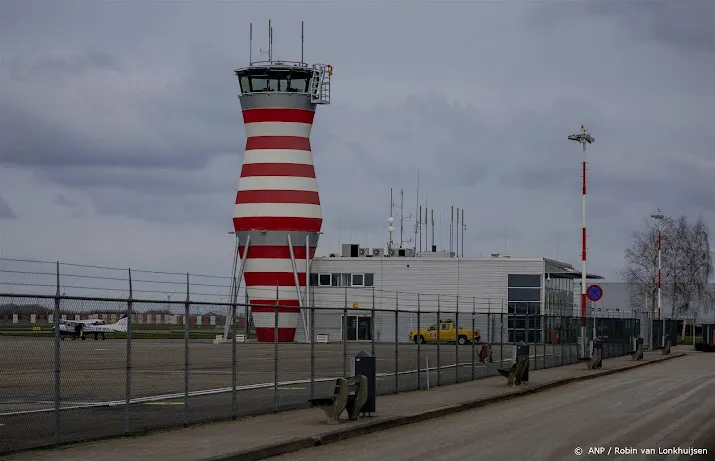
686 262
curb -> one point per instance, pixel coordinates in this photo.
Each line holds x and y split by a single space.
289 446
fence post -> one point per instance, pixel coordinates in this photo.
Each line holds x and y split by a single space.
397 319
489 321
542 319
474 327
372 327
561 341
248 314
456 342
128 375
345 335
186 354
312 352
233 357
57 359
501 334
275 353
439 328
234 308
419 341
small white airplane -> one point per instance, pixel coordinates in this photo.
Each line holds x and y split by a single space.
80 328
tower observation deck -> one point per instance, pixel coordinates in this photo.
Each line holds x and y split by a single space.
277 217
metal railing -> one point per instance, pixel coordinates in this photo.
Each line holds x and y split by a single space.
168 365
171 367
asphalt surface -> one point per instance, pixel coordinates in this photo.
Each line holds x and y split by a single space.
658 407
93 380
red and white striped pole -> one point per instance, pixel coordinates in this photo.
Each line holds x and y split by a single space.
583 236
659 268
659 216
583 138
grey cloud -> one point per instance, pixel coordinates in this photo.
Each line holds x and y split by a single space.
154 136
51 67
64 201
220 174
5 210
188 124
211 210
687 25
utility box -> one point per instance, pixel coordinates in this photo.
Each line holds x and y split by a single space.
598 346
522 349
365 365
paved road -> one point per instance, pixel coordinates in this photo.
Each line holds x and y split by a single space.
660 407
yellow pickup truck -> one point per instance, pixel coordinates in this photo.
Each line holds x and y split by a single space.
447 333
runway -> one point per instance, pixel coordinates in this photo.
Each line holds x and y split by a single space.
93 381
659 412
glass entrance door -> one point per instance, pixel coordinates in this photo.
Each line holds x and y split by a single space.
358 328
364 328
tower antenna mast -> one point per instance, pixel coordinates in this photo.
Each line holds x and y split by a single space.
390 221
402 218
302 40
270 41
418 212
250 44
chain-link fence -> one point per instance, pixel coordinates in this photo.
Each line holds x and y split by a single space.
78 367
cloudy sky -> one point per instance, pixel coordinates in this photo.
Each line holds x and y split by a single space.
121 138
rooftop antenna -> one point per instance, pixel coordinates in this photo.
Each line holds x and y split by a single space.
302 41
418 222
433 246
270 43
457 229
464 227
390 221
451 232
250 44
402 218
425 223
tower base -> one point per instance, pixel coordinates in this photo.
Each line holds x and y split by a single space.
264 321
267 335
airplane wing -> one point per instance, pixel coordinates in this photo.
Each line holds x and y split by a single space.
83 322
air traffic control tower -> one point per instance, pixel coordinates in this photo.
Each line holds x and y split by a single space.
277 217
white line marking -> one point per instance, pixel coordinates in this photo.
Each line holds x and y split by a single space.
180 395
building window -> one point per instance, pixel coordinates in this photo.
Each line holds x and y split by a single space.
524 294
346 279
324 280
524 307
524 280
245 87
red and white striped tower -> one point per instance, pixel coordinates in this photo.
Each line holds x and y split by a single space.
277 217
583 138
659 216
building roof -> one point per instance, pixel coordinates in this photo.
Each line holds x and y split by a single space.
558 269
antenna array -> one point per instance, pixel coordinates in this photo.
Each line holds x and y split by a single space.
270 43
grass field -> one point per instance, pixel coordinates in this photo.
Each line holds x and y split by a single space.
139 331
685 340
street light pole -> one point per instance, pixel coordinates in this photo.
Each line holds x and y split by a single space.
659 217
583 137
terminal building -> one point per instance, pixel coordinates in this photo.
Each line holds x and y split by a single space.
359 280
